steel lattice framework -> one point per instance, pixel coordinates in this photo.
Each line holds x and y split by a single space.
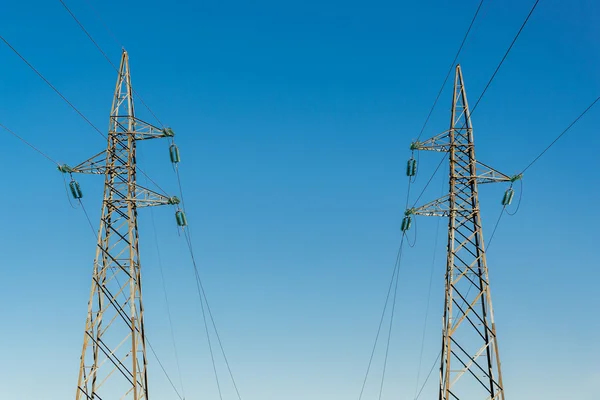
113 359
470 360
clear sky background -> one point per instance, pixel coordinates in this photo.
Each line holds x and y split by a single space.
294 121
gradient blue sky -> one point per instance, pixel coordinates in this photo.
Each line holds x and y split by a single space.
294 120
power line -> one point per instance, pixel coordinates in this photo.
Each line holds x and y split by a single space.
387 346
107 58
428 375
97 14
431 178
395 271
53 87
200 286
28 144
561 135
450 69
87 34
504 57
202 294
164 287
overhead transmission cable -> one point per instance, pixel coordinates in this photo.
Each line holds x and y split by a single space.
166 298
97 14
393 283
28 144
387 298
561 134
451 68
505 55
429 375
202 294
108 59
53 87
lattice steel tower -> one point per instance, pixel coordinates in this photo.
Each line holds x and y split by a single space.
470 361
113 359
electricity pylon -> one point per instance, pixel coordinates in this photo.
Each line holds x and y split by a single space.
470 360
113 359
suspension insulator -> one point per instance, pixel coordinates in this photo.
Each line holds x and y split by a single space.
508 196
75 189
180 218
174 153
411 167
406 222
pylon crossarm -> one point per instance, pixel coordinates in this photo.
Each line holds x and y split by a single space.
146 198
490 175
436 208
145 131
440 143
94 165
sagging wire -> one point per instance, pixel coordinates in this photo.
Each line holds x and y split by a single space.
387 347
108 59
175 157
413 244
165 294
429 374
395 272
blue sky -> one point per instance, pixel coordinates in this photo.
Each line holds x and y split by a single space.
294 120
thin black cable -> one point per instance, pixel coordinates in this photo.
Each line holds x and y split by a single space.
561 135
387 347
164 286
28 144
451 68
505 55
429 374
108 59
52 87
86 32
163 368
495 228
214 365
188 238
67 192
97 14
430 179
410 182
382 318
202 293
414 243
520 198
